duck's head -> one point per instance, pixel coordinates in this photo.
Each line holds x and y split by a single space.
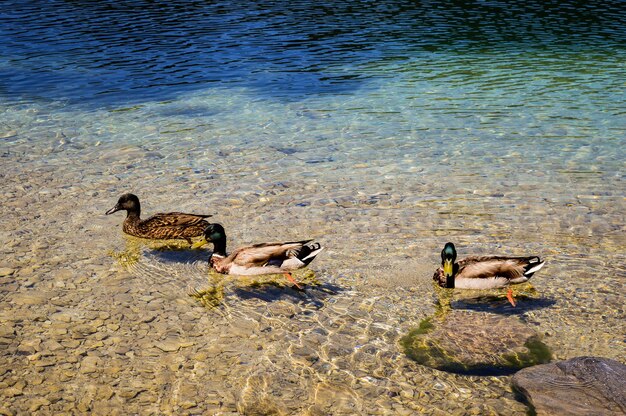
215 234
448 257
127 202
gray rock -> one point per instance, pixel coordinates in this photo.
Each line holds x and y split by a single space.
584 386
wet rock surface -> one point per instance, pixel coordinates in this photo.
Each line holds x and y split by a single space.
581 386
475 343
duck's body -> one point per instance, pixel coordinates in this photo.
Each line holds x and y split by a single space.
172 225
266 258
486 272
258 259
489 272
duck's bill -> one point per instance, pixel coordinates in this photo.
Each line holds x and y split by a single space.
447 268
112 210
199 244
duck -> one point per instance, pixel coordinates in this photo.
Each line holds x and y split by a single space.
258 259
171 225
484 272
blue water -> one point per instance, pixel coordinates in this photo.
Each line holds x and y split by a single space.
112 53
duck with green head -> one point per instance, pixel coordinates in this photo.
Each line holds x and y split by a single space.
171 225
258 259
484 272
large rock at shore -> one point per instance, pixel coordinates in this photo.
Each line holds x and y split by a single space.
468 342
584 386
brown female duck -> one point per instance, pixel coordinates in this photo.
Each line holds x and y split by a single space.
173 225
487 272
258 259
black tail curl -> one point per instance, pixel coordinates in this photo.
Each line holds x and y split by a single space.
306 250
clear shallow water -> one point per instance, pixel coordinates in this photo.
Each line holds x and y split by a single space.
381 130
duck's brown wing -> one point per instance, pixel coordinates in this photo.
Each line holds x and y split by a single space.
261 254
492 266
176 219
174 225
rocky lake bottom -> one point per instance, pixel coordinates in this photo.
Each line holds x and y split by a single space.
96 322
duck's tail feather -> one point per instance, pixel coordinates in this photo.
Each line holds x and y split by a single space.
533 266
309 251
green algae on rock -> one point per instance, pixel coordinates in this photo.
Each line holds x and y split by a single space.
475 343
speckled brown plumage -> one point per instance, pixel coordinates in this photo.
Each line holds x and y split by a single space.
172 225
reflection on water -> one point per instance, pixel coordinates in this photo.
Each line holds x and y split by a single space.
380 129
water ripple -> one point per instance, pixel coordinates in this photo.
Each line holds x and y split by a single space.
112 52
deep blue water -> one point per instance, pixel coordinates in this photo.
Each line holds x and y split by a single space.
114 53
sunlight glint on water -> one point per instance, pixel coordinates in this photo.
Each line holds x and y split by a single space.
383 133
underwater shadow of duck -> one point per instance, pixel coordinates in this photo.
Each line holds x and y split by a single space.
177 255
272 292
495 304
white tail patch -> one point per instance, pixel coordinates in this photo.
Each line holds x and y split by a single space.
313 254
534 269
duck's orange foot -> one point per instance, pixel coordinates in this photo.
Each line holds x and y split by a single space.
509 296
292 280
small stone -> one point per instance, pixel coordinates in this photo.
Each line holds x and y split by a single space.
45 363
104 393
148 318
35 380
121 349
5 411
30 298
129 392
5 271
81 331
62 317
407 393
12 392
172 344
8 134
7 331
104 315
70 343
89 364
439 386
37 402
187 404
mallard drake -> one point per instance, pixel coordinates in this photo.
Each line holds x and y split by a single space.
172 225
258 259
486 272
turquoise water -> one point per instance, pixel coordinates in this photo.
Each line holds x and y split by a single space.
381 129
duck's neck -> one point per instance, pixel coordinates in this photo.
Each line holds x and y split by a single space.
219 247
450 282
450 279
133 214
